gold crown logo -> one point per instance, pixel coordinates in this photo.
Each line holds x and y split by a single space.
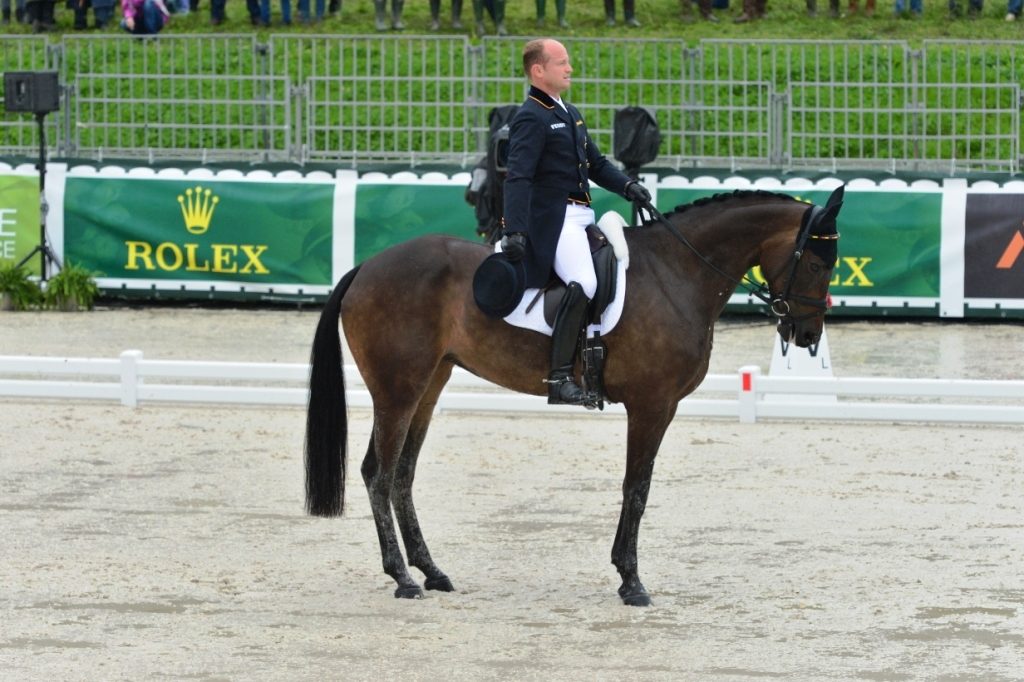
197 208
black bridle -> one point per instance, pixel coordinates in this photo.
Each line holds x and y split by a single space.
778 305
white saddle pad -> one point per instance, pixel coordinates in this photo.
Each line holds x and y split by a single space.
611 224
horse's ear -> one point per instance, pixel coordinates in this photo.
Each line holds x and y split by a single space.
836 199
828 215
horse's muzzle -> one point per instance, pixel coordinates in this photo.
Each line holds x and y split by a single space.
799 333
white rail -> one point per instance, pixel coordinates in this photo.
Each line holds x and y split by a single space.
746 395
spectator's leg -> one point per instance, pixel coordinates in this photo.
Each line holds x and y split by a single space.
380 12
217 14
499 17
629 13
609 12
705 10
396 15
456 14
286 11
102 12
560 10
478 17
81 9
749 12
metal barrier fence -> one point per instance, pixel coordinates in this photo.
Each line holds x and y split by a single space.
949 106
746 395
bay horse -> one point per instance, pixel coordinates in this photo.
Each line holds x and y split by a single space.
409 317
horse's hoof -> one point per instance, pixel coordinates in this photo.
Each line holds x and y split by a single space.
441 583
409 592
636 599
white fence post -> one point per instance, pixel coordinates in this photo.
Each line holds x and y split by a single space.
748 393
130 360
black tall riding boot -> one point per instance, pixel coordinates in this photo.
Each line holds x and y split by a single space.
569 320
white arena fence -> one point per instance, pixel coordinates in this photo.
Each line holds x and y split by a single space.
747 395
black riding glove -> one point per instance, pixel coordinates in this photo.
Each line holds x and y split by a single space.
514 246
637 193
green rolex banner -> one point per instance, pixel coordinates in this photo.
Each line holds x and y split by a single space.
246 232
391 213
19 220
889 241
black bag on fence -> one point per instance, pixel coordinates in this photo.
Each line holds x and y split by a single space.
636 138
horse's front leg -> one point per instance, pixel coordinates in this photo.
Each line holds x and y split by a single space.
405 511
378 472
645 430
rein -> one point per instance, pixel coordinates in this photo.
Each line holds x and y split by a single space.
753 288
779 305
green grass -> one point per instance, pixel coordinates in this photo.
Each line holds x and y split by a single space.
660 19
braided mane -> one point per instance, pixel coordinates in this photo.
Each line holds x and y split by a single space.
729 196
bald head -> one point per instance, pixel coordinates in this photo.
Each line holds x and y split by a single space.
546 64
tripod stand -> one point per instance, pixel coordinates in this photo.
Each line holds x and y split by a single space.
46 254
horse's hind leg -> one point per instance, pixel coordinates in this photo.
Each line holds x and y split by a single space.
405 511
390 427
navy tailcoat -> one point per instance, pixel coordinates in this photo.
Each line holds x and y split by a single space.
550 158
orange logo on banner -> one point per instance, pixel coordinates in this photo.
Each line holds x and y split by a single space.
1012 252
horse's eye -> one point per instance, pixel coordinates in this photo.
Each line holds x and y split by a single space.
815 267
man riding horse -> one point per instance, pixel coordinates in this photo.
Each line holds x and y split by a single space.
551 160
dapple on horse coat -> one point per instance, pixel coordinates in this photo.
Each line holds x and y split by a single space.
409 318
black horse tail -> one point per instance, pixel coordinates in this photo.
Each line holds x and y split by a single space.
326 415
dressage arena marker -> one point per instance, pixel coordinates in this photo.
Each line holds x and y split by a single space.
791 361
746 395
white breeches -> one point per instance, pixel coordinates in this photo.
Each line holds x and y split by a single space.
573 262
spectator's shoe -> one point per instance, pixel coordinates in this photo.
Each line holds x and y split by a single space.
398 25
632 22
743 18
435 25
6 18
457 24
609 21
502 31
480 28
1010 16
562 23
708 16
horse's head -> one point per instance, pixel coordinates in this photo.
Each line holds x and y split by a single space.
798 274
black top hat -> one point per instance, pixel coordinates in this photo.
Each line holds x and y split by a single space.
498 285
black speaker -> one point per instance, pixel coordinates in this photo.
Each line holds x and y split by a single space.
35 92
